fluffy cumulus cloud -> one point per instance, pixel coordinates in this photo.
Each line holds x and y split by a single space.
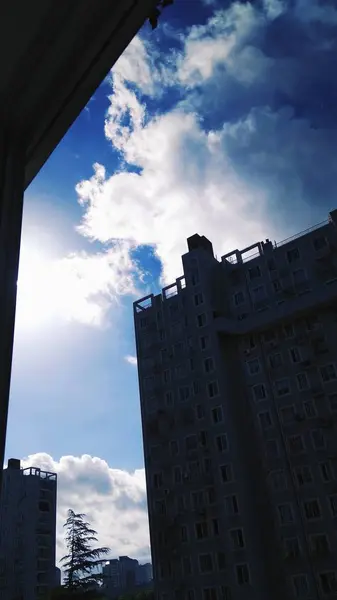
113 500
245 147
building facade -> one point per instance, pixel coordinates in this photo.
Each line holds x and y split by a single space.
27 533
125 575
237 364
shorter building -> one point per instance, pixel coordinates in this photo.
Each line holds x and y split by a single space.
125 575
27 533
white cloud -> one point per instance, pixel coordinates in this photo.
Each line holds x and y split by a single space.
132 360
79 287
230 181
186 185
113 500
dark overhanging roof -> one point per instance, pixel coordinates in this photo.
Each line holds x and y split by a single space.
54 55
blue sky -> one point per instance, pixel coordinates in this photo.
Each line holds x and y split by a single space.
223 122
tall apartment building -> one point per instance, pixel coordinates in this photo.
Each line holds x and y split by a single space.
125 575
27 533
237 366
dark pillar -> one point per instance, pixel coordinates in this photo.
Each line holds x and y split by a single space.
11 202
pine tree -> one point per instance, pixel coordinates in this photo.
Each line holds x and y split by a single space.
81 562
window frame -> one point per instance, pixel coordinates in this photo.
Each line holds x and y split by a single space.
276 387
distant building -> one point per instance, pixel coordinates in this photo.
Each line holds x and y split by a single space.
125 575
237 366
27 533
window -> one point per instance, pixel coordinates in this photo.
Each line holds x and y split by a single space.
187 566
239 298
213 389
293 255
282 387
259 392
301 585
198 299
237 539
222 442
201 320
326 471
278 481
275 360
217 416
225 592
197 499
254 272
201 530
184 393
265 420
302 381
204 342
309 409
276 285
318 439
253 366
296 444
157 480
333 505
215 524
289 330
200 411
196 387
190 595
169 398
205 563
231 505
292 547
319 243
272 449
312 509
285 512
333 402
167 376
242 574
320 543
226 473
210 594
174 447
184 533
295 355
328 582
303 475
299 276
180 371
211 495
288 414
328 373
209 365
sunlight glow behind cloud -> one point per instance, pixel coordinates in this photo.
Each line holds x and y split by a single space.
79 287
